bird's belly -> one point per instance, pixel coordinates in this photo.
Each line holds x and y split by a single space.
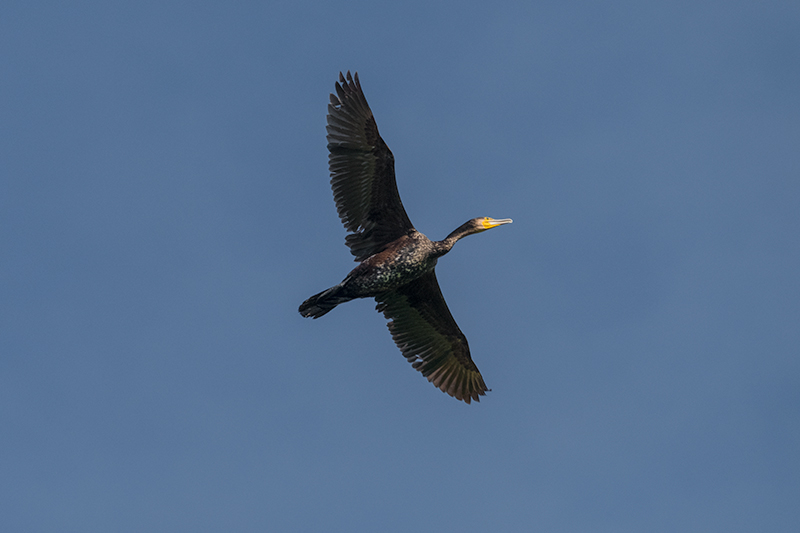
368 280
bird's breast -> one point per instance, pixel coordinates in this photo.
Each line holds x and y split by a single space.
391 268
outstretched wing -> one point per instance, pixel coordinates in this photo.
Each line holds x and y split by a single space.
426 333
362 173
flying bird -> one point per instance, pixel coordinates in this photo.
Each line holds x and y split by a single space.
396 262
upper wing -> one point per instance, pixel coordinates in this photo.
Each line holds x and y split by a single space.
426 333
362 173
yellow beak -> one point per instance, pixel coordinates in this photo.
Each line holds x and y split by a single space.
490 223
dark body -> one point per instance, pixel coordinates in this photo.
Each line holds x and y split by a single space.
403 260
396 262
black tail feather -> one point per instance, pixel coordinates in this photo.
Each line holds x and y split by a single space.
321 303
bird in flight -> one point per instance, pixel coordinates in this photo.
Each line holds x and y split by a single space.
396 262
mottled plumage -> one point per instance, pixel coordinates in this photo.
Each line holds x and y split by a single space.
396 262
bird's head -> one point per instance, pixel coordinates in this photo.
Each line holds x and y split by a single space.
476 225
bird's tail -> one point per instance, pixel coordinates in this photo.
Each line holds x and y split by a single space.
321 303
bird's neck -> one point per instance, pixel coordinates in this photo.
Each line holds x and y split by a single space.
444 246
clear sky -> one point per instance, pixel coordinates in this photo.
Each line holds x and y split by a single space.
165 208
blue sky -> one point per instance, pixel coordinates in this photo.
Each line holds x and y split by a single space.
164 209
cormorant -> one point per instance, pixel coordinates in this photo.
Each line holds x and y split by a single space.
396 262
